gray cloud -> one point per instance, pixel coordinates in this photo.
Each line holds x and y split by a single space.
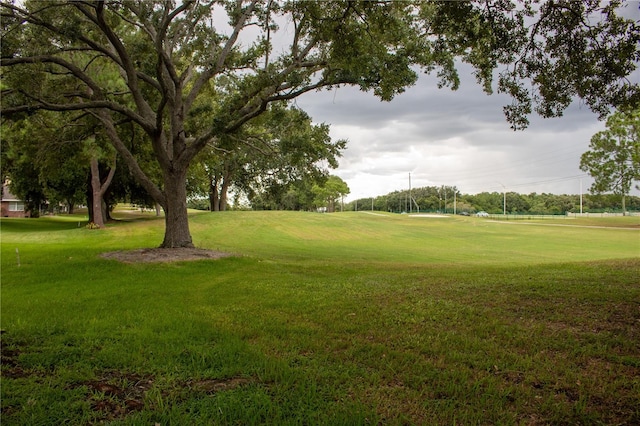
445 137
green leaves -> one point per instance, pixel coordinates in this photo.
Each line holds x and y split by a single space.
613 159
328 193
545 55
577 49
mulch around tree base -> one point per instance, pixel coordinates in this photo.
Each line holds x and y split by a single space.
148 255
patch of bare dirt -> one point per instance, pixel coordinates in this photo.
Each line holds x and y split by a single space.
164 255
10 367
212 386
116 395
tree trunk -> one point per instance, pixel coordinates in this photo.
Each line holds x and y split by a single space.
98 190
89 194
223 194
98 218
176 233
330 206
224 188
105 211
624 205
214 202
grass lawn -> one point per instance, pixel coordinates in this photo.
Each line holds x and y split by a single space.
345 318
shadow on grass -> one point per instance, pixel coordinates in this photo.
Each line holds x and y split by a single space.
42 224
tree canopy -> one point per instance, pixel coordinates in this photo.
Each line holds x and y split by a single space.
266 156
330 192
191 73
613 159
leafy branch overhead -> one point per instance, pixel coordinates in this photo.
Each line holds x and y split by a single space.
189 73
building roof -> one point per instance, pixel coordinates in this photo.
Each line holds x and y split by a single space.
7 195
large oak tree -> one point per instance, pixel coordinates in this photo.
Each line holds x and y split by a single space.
166 65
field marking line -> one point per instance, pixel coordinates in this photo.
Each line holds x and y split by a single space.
373 214
408 215
559 224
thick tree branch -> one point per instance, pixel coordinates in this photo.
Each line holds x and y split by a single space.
125 59
108 180
222 58
129 159
78 106
75 70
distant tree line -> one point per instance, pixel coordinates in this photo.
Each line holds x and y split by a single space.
327 195
445 198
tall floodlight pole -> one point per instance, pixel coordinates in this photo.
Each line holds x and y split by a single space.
580 197
455 200
504 200
410 199
445 200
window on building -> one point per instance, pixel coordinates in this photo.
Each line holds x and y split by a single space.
16 206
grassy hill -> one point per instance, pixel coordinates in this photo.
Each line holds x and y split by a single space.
346 318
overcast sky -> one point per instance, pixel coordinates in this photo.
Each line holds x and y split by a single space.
444 137
456 138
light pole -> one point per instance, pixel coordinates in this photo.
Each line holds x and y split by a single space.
580 197
504 203
504 200
410 205
445 200
455 200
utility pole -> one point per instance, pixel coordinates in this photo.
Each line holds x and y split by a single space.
445 200
580 197
504 202
410 198
455 199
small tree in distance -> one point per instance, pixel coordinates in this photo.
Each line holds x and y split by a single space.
329 193
613 159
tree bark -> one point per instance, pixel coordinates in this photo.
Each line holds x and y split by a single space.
98 190
98 219
214 202
223 194
224 187
176 234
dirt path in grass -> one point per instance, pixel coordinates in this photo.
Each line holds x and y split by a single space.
164 255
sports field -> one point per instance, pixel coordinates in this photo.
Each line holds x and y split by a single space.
344 318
